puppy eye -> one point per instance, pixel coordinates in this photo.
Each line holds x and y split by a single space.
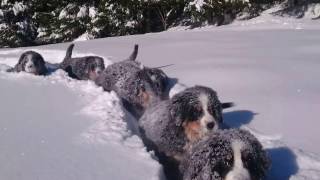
142 88
158 85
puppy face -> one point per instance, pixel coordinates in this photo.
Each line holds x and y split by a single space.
231 154
95 67
160 81
197 110
145 89
31 62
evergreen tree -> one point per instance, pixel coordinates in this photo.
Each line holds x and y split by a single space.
33 22
16 24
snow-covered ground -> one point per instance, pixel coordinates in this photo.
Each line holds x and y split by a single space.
57 128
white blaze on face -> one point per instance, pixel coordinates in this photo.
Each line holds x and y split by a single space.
98 70
238 172
206 117
30 66
153 78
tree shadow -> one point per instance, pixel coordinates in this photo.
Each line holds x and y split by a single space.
283 163
235 119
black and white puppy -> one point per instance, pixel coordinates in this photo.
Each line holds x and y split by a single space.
115 75
231 154
136 85
170 126
160 81
30 62
82 68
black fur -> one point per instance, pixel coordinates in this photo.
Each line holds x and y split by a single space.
227 105
82 68
129 79
160 81
185 105
38 63
212 157
162 122
115 75
162 128
134 54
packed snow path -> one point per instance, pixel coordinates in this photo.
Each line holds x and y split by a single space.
272 74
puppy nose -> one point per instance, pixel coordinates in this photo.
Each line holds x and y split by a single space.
30 66
210 125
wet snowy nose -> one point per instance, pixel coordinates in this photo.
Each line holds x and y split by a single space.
210 125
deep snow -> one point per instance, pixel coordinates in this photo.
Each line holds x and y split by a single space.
268 67
55 127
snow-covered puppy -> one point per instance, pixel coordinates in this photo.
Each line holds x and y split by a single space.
231 154
115 75
82 68
170 126
136 85
159 80
30 62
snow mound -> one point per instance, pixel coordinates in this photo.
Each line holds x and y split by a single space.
82 133
288 162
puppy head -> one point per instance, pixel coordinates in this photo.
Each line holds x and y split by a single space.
197 110
160 81
32 62
231 154
144 89
95 67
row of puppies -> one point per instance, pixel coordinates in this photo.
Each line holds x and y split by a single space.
187 135
176 128
137 85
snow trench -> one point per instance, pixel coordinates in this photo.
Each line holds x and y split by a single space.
85 133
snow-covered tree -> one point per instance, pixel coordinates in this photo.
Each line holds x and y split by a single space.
31 22
16 24
216 12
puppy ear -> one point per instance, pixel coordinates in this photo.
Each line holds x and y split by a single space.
176 110
21 63
174 113
42 68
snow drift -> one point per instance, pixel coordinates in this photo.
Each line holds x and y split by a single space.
55 127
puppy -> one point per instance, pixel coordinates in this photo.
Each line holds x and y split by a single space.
160 81
30 62
82 68
136 85
170 126
115 75
226 155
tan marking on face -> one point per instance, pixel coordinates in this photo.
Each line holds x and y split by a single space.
93 75
145 98
192 130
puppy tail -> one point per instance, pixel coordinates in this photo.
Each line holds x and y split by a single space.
227 105
69 51
134 54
